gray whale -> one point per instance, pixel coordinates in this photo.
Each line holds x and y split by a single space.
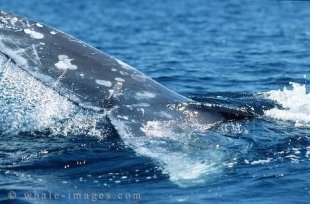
137 106
94 79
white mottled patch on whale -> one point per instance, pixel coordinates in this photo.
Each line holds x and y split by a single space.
141 105
53 32
145 95
129 107
65 63
3 20
104 83
33 34
142 110
124 65
14 20
123 117
123 73
39 25
113 70
111 91
165 115
138 77
119 79
116 91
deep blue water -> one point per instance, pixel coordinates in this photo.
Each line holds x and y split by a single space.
230 52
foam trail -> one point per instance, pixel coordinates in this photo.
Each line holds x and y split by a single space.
295 105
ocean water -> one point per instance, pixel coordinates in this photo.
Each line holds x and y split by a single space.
248 54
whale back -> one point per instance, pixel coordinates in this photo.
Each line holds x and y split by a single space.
75 69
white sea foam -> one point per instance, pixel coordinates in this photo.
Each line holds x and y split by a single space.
294 102
261 161
27 105
155 129
174 145
184 169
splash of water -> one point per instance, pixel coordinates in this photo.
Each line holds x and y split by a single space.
294 102
27 105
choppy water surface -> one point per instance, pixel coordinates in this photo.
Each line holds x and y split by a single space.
237 53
